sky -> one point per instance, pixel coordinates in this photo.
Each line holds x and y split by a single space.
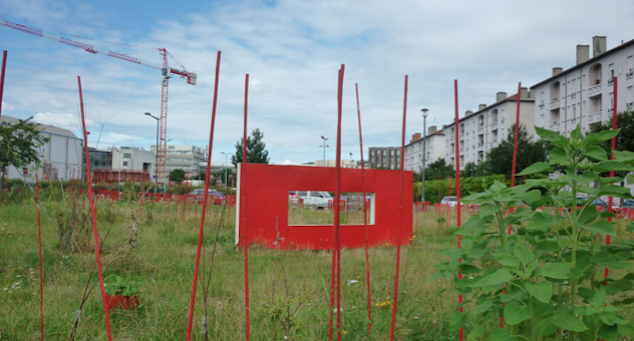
292 51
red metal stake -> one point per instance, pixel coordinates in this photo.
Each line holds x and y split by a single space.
205 196
458 191
610 201
400 216
39 236
365 218
243 202
337 201
92 212
4 66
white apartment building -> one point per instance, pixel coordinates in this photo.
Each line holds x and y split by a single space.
584 93
483 130
185 157
61 156
434 149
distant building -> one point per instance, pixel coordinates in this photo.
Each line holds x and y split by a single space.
483 130
434 149
385 157
61 156
333 163
185 157
133 159
584 94
100 159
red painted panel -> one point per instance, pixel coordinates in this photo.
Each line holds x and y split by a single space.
267 202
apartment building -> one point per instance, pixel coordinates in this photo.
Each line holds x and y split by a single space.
483 130
584 93
333 163
434 149
185 157
385 157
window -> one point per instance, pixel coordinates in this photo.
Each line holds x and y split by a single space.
630 66
611 100
125 163
584 81
574 85
127 155
611 73
630 96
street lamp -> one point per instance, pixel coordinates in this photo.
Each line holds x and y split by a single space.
351 160
157 151
226 157
424 110
324 145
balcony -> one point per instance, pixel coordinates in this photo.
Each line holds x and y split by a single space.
480 145
595 117
595 90
554 127
554 104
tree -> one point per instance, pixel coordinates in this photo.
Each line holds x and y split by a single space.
446 170
625 138
177 175
256 149
500 158
470 169
19 143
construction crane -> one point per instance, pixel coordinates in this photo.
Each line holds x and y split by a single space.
165 69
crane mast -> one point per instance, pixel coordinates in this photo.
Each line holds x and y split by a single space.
166 71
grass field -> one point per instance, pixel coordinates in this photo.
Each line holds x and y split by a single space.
289 290
282 284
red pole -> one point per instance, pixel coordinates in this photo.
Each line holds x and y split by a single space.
205 196
337 201
517 132
92 212
39 236
400 216
458 189
610 201
4 66
365 218
243 202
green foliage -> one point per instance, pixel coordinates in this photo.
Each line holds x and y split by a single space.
546 277
177 175
467 186
500 158
115 285
441 167
625 139
19 143
256 149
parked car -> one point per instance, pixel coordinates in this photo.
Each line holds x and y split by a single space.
629 204
312 199
451 201
214 195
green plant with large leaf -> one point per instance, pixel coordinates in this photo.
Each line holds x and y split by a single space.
544 280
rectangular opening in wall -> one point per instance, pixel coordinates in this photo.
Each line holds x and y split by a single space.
315 207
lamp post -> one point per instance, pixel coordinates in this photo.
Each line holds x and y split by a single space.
351 160
157 152
324 145
226 158
424 110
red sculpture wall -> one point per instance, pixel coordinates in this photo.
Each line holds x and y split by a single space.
267 190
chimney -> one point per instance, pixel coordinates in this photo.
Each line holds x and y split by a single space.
500 96
598 46
431 130
583 53
524 93
481 107
415 137
557 70
468 113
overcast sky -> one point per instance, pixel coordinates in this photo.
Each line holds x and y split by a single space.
292 50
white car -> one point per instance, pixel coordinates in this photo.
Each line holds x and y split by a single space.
451 201
312 199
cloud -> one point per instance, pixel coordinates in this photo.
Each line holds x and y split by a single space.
288 162
292 51
61 120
